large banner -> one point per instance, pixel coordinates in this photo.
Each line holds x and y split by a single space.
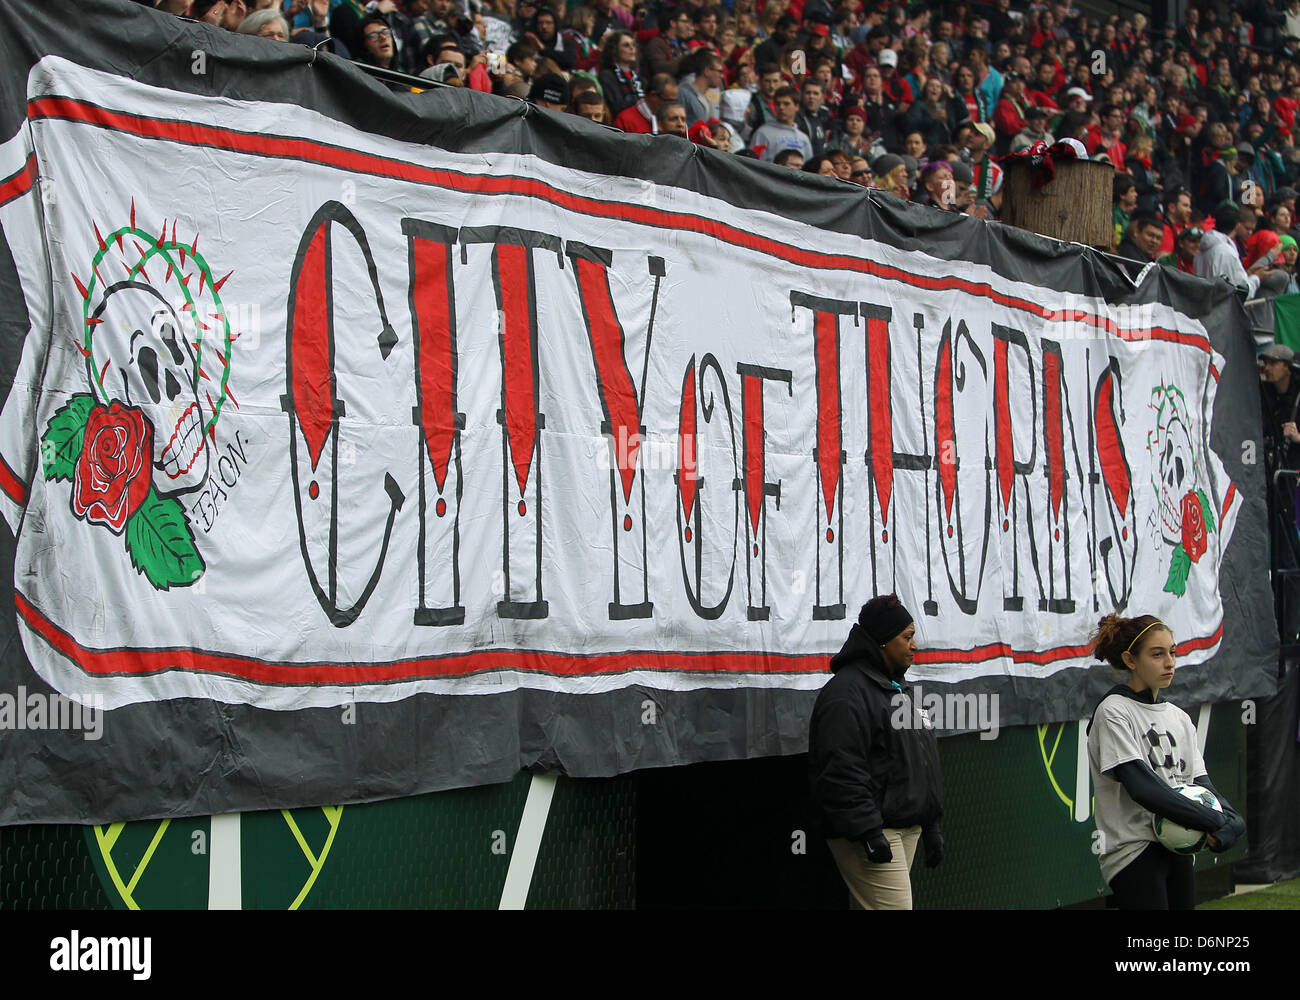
358 444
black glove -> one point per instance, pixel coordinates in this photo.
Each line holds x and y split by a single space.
933 840
877 846
1233 825
1229 833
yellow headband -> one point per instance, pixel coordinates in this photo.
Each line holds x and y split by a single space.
1142 633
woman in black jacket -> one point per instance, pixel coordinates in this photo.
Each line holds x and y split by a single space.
931 115
619 77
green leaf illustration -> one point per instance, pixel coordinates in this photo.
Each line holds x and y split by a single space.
64 435
1179 566
161 544
1207 512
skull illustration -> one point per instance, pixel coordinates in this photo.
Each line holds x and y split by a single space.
145 353
1175 464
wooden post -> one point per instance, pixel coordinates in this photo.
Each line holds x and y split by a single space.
1074 206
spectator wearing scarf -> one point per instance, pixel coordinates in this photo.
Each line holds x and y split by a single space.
619 78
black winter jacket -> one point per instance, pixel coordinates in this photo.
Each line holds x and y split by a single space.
864 772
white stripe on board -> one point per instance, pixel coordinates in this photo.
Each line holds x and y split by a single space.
528 841
225 878
1082 776
1202 728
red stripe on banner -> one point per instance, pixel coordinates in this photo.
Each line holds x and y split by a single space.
945 428
1002 430
1108 447
13 487
17 185
135 662
753 395
310 151
828 408
313 401
1000 650
882 433
687 455
433 313
1052 420
513 262
611 369
138 662
1227 502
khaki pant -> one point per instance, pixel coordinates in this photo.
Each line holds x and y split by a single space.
873 886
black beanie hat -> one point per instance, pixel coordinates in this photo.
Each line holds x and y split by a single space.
884 618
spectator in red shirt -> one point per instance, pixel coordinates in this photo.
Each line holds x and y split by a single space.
706 29
1109 138
1286 104
1044 87
1177 216
643 117
964 88
1047 29
867 52
1009 115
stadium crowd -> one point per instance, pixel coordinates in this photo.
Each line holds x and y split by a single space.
921 100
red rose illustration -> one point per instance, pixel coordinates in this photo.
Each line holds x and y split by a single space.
113 473
1194 538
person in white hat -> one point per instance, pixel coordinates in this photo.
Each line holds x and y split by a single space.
977 138
1077 99
895 87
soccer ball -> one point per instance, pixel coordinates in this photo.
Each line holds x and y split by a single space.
1177 838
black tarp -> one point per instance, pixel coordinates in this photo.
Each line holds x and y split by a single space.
188 756
1273 785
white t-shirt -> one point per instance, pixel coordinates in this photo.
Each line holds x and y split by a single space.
1125 729
776 137
735 102
1292 27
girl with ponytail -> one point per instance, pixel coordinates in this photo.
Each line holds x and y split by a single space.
1140 748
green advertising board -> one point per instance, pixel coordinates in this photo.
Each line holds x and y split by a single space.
1018 824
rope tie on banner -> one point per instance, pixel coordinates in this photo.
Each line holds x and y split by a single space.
315 50
1137 280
